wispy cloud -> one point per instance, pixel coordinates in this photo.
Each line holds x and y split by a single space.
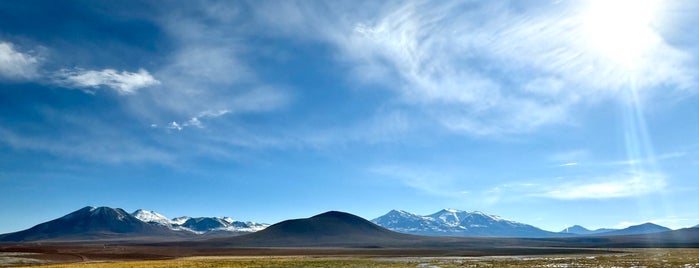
15 64
18 65
423 181
623 185
123 82
517 71
569 164
210 67
196 120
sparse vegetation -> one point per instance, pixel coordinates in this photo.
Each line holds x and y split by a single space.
688 258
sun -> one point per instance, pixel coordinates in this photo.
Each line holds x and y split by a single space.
621 30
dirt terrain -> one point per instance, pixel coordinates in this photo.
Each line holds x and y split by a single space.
136 256
80 252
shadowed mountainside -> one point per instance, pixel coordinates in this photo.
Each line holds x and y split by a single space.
90 223
331 228
646 228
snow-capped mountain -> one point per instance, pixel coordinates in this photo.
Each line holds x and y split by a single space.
200 225
180 220
93 223
451 222
222 224
151 217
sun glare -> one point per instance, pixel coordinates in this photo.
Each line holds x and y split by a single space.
621 29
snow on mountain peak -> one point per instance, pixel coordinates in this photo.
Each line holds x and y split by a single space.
180 220
454 222
151 216
491 216
228 220
201 225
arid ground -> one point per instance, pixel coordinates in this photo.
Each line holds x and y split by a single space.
133 256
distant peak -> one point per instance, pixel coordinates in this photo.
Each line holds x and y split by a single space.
450 210
647 224
397 211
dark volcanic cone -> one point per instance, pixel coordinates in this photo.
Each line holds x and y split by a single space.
328 229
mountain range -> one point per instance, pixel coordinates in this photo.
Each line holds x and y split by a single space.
200 225
451 222
336 229
579 230
104 223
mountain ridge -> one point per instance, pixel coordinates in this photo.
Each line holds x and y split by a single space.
452 222
200 225
100 223
114 223
644 228
580 230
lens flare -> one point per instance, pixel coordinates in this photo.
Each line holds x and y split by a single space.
621 30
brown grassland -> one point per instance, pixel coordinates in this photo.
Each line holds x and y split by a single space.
654 257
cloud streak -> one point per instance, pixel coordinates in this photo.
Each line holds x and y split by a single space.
122 82
15 64
625 185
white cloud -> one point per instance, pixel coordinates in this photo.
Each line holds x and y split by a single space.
15 64
174 125
195 121
123 82
623 185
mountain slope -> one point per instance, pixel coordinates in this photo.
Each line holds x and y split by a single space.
332 228
91 223
646 228
579 230
450 222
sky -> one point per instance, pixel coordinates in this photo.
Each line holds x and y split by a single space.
550 113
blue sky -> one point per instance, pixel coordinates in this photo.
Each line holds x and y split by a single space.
544 112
